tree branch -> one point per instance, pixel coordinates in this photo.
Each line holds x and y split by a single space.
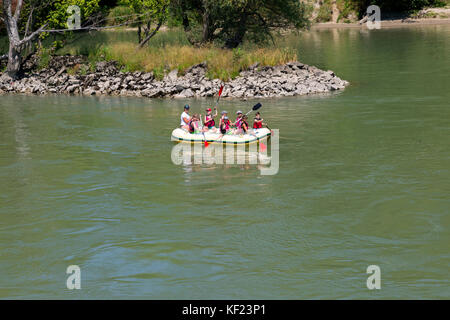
33 35
18 9
151 34
7 8
30 17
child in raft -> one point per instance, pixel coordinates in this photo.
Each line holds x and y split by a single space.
237 124
209 120
244 124
193 124
224 123
258 121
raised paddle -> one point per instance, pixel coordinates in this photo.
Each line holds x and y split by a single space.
255 107
220 93
217 102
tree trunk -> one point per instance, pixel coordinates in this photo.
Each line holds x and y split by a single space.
206 34
14 61
15 47
139 33
238 35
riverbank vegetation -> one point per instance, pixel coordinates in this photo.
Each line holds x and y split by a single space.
347 11
162 35
171 50
214 31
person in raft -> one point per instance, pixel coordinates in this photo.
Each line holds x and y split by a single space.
244 124
224 123
193 125
238 122
185 118
258 121
209 120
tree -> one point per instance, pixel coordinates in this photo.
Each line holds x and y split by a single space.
16 44
22 18
149 12
230 21
394 5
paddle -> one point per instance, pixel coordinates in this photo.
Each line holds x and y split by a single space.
204 137
255 107
217 103
220 93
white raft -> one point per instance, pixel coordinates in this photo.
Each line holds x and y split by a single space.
255 135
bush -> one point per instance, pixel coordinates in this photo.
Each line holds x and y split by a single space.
120 15
325 12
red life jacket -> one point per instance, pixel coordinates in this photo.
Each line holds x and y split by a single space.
210 123
257 124
238 123
227 123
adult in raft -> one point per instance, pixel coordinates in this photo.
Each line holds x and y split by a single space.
185 118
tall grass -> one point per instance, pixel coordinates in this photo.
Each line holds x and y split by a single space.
223 64
170 50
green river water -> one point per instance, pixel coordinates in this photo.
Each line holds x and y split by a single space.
363 179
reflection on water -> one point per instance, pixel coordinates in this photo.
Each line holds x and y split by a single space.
218 157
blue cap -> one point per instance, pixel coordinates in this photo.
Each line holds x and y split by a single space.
186 106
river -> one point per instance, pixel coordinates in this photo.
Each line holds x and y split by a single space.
363 180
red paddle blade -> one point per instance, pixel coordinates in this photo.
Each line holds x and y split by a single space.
262 147
206 144
220 91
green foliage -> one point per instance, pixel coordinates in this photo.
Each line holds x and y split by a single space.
57 44
346 8
57 17
237 55
396 5
120 15
228 22
147 12
44 57
325 12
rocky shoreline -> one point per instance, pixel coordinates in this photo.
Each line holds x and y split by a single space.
291 79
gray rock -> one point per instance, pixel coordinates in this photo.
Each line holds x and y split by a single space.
172 76
148 76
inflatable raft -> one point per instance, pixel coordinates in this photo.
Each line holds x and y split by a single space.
255 135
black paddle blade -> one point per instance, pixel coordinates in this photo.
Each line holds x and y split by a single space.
257 106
